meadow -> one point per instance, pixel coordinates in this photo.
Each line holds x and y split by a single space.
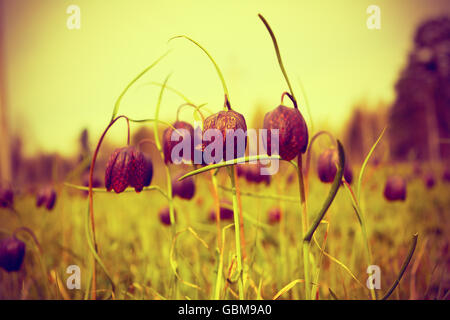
136 247
311 232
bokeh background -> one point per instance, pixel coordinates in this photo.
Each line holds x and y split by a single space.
55 82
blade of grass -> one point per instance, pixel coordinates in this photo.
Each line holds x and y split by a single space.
403 268
119 99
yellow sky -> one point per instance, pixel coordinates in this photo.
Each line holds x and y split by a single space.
60 80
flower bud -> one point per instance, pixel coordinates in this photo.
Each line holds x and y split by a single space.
395 189
184 189
253 174
225 212
6 197
46 197
293 132
164 215
168 144
12 252
327 167
223 121
429 180
128 166
274 215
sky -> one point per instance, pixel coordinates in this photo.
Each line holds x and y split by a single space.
60 80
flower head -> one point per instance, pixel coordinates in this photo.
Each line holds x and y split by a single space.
12 252
292 134
128 166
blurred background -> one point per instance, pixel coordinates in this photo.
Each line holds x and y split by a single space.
58 85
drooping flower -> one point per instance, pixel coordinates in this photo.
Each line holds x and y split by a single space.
395 188
126 167
226 121
225 212
6 197
47 197
164 216
186 131
12 252
327 167
292 134
184 189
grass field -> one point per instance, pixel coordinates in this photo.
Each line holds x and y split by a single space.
136 248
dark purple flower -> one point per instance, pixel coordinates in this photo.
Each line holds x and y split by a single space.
164 215
293 132
429 180
12 252
6 197
253 174
128 166
327 167
225 212
223 121
184 189
446 175
168 144
47 197
274 215
395 189
96 182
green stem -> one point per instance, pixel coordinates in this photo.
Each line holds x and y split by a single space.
362 223
403 268
237 234
222 79
304 229
277 50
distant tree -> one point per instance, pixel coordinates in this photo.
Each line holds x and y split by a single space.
420 116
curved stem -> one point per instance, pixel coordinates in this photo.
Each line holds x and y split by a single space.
91 199
222 79
193 106
119 99
31 233
181 95
290 97
314 138
403 268
277 50
237 232
304 229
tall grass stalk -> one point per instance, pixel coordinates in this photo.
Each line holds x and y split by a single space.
237 228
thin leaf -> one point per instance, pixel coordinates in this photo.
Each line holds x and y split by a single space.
103 190
228 163
403 268
119 99
331 194
94 252
366 160
288 287
264 196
